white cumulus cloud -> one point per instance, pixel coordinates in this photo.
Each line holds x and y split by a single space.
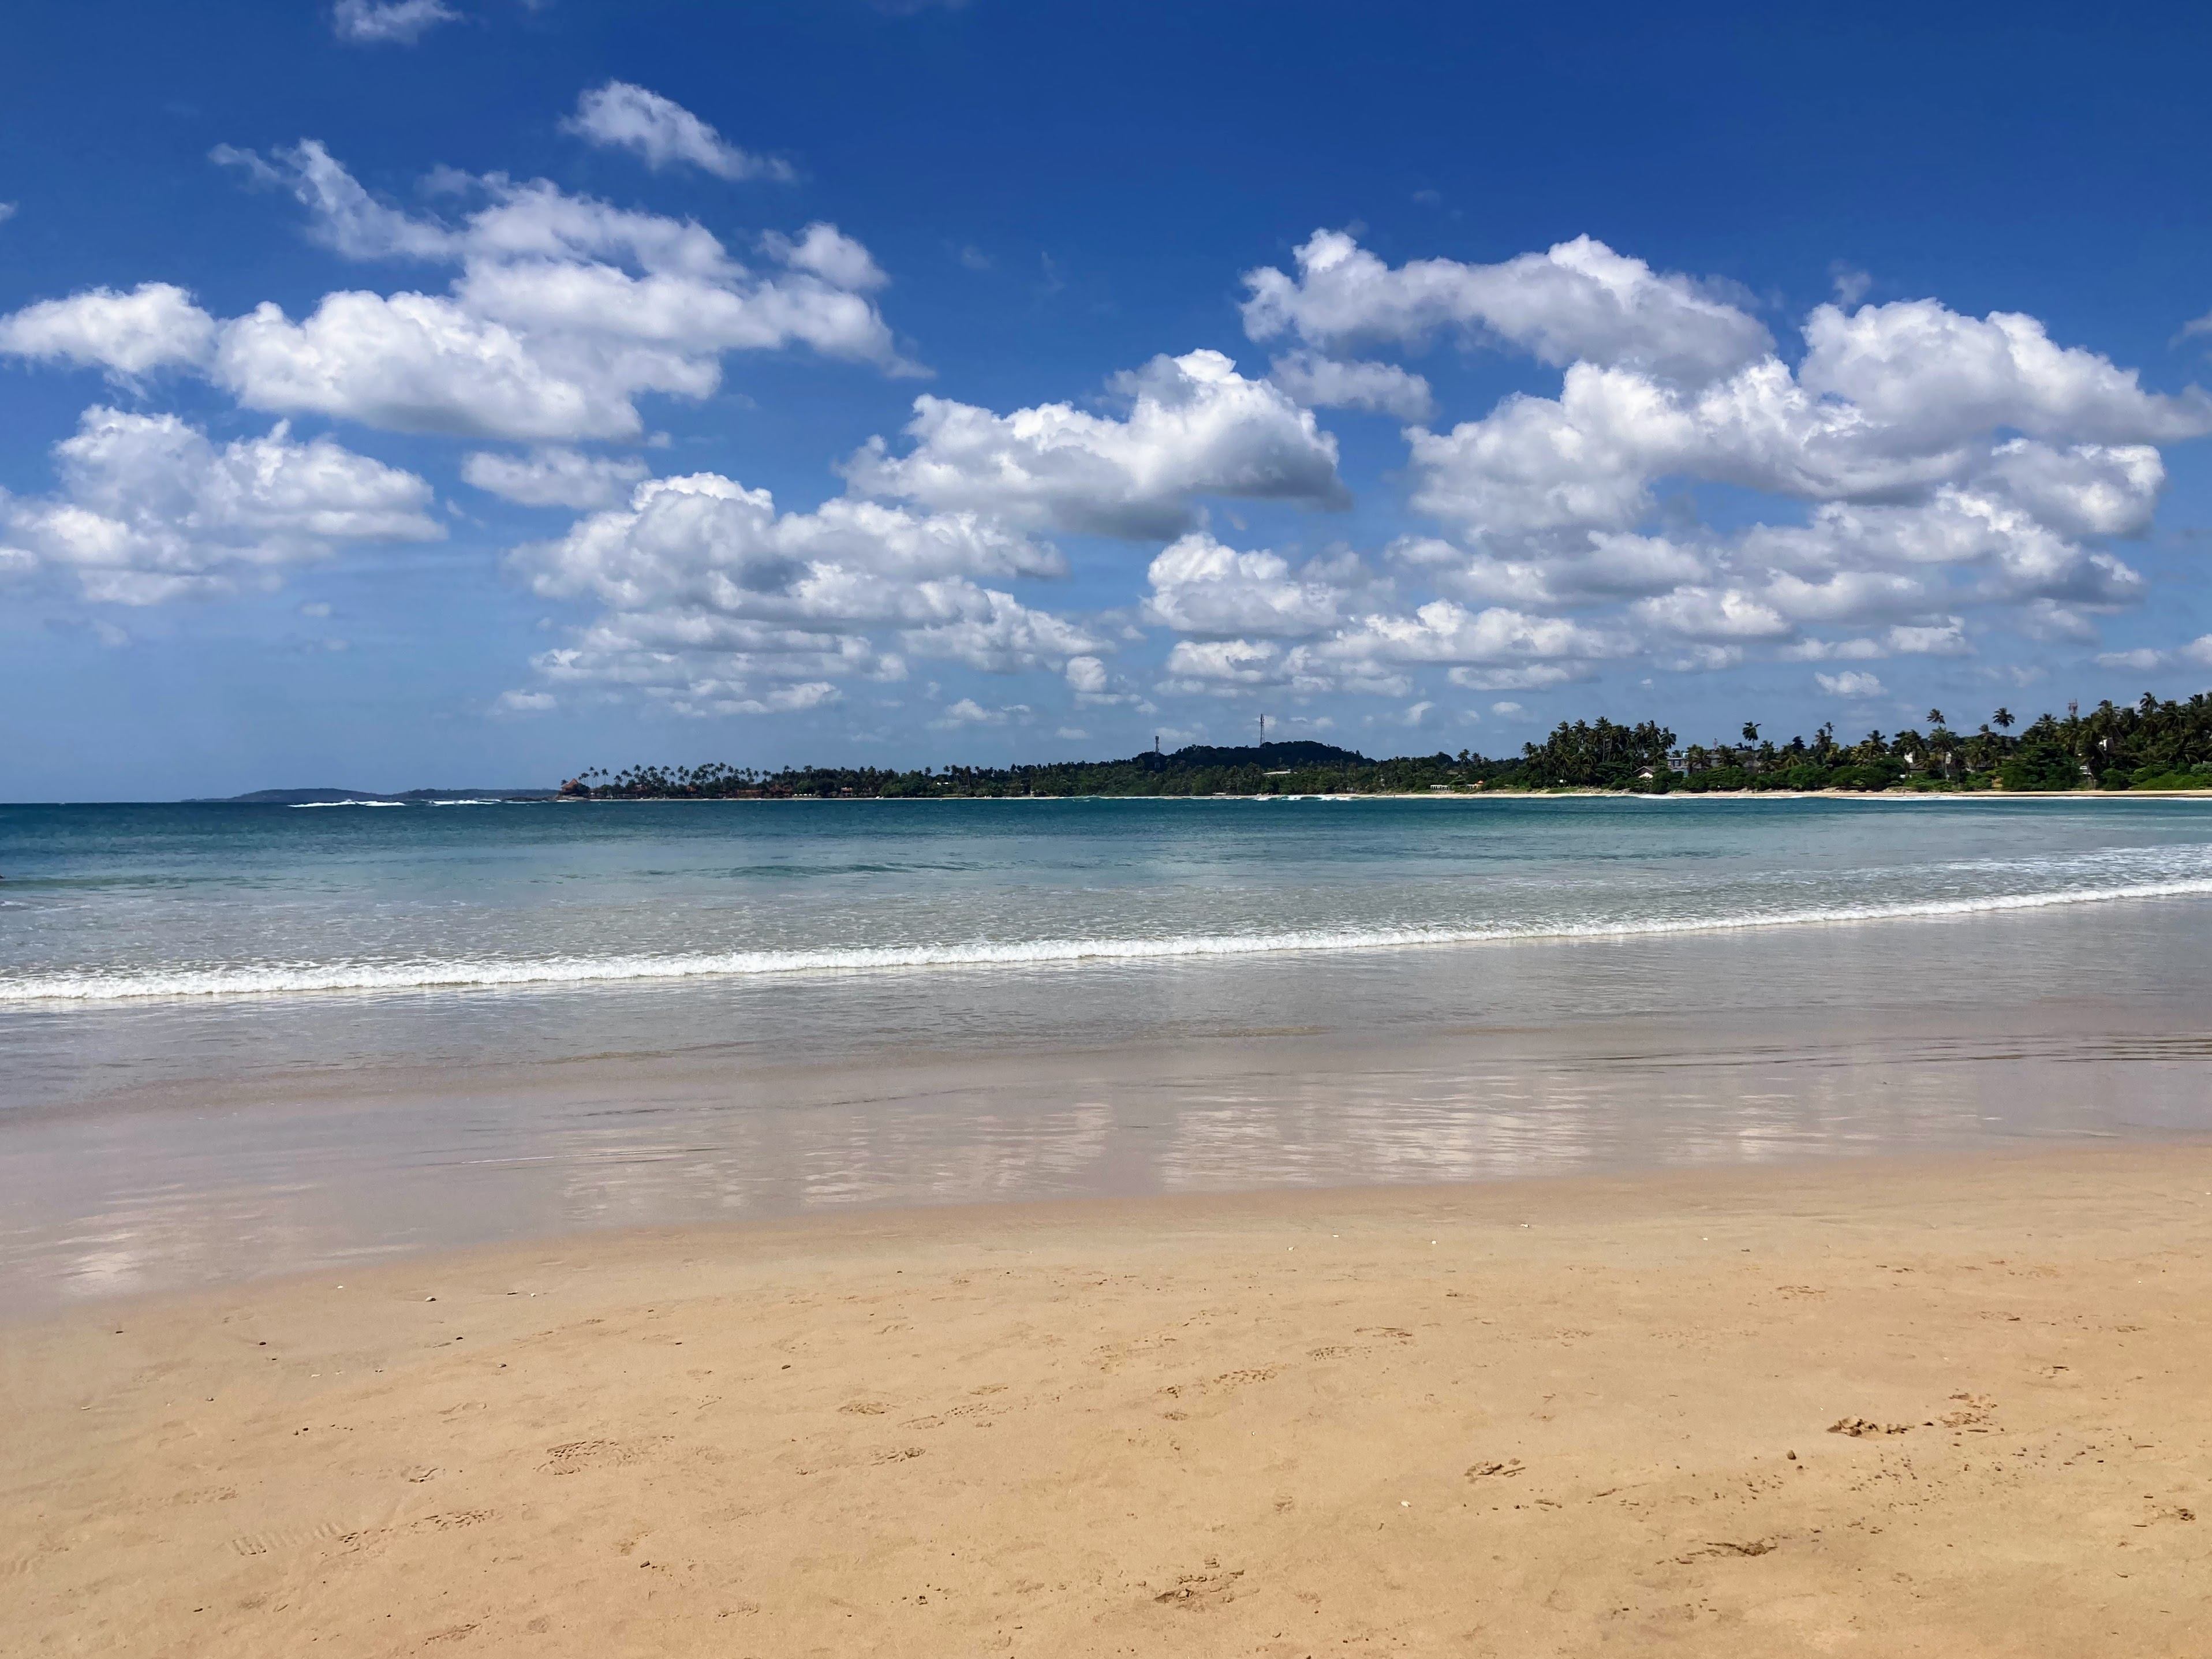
969 712
1444 631
1850 683
1214 666
416 362
1915 461
149 508
710 591
563 312
154 325
1602 566
2149 658
1201 586
388 22
1709 613
1323 382
622 115
1579 302
996 633
1195 428
554 476
1925 374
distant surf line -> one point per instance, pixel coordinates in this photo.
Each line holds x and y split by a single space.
548 972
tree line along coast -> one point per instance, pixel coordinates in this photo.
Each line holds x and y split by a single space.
2149 745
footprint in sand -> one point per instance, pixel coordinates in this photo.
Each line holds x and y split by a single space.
1972 1409
976 1411
285 1538
204 1495
1201 1590
1721 1547
450 1521
1376 1335
2174 1512
577 1456
1237 1379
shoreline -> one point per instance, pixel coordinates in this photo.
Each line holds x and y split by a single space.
463 976
1152 1221
1556 1415
334 1130
1428 794
1407 794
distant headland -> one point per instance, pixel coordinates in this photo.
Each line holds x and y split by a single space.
365 797
2149 745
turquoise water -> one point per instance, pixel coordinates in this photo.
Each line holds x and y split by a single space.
241 1040
109 904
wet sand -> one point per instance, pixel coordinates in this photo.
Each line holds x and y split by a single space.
1543 1417
180 1149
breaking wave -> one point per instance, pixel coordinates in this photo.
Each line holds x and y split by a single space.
119 985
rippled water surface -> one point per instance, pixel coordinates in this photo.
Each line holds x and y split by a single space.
109 903
244 1039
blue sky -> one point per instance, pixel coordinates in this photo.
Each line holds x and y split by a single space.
460 392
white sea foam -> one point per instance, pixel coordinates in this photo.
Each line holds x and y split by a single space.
458 974
305 806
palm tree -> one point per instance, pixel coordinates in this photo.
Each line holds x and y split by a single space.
1939 758
2003 718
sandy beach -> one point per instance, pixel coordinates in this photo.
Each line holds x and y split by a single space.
1184 1025
1953 1407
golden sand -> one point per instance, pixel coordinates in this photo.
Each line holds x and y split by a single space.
1960 1408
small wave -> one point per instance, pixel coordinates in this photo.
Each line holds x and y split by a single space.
293 979
305 806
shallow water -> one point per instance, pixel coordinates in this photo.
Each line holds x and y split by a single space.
1600 984
119 903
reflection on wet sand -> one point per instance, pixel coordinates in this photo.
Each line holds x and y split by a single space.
1417 1066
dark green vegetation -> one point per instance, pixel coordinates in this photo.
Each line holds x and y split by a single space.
2149 745
1277 768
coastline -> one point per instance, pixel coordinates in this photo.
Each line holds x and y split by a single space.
220 1139
1438 795
464 975
1379 794
1549 1415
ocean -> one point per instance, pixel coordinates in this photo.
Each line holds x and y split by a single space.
240 1037
106 904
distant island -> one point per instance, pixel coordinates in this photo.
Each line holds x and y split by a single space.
364 796
2146 746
